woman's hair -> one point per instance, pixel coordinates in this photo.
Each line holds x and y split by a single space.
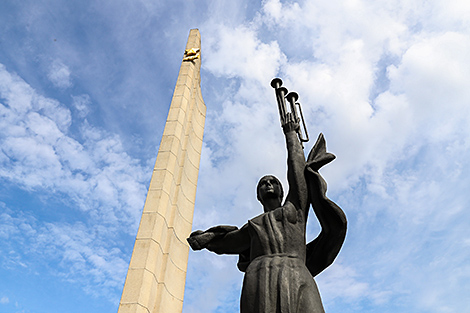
281 196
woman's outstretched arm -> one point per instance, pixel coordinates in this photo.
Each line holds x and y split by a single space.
221 239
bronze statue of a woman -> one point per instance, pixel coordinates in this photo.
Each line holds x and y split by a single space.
279 266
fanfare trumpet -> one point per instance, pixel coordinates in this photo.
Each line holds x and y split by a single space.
281 95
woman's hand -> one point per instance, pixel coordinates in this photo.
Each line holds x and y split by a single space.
290 124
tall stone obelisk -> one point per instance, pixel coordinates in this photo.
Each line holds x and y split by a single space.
157 270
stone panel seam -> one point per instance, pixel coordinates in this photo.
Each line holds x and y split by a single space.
147 309
194 149
168 228
187 197
168 254
173 228
192 131
163 282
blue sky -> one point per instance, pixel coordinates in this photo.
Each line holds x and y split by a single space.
85 88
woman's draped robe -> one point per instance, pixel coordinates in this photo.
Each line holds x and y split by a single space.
277 279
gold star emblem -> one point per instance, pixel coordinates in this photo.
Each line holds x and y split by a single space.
191 54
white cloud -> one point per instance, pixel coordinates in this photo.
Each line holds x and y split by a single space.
38 152
4 300
75 252
59 75
82 104
238 52
433 75
94 175
341 282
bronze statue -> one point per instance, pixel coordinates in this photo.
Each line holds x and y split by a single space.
279 266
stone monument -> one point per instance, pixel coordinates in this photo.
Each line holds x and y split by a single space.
157 270
279 266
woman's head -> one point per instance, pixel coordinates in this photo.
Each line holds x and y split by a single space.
269 187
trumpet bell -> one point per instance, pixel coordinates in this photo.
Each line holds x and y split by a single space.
276 83
292 97
282 91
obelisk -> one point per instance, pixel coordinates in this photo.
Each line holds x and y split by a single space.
157 271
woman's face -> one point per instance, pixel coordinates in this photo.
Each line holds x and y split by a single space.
269 187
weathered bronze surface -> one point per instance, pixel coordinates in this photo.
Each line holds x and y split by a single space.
279 266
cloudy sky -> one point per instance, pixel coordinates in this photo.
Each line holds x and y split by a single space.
85 88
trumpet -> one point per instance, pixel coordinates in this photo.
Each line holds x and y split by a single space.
281 95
